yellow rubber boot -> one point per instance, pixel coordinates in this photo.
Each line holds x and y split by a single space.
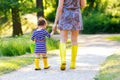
37 67
45 61
63 56
73 57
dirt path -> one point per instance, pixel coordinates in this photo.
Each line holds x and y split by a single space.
93 50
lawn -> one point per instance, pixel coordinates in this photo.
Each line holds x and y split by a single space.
114 38
110 69
9 64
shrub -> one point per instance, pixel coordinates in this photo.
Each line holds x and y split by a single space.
14 46
49 29
101 23
20 45
52 44
51 16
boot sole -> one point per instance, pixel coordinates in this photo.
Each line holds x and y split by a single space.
47 67
38 69
63 66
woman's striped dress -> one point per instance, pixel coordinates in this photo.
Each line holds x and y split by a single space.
39 36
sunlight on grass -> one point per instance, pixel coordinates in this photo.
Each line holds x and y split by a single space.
14 46
8 64
110 69
114 38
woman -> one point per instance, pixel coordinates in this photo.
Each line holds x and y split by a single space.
68 18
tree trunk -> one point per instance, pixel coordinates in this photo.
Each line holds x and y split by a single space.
39 4
17 30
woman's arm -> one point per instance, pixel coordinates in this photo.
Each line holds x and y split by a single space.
82 3
58 13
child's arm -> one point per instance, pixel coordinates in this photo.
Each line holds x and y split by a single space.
33 36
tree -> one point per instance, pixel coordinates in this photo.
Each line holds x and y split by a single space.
16 7
39 5
17 30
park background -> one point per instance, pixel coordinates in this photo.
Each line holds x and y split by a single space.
18 19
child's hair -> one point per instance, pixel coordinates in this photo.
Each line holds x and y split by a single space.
41 21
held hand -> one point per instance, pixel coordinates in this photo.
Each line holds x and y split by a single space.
54 28
51 34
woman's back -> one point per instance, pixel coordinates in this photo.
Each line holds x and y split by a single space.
72 4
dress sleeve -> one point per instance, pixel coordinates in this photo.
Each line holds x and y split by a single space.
33 36
47 34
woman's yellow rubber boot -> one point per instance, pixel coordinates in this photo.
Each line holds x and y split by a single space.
73 57
63 56
45 61
37 67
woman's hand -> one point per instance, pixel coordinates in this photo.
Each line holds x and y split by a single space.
51 34
54 28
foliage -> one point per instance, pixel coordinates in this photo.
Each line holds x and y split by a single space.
52 44
50 7
14 46
101 23
21 45
15 7
25 6
99 16
110 69
102 19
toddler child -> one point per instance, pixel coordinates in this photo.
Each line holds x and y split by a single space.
38 37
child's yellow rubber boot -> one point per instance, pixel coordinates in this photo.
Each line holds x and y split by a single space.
45 61
63 56
37 67
73 57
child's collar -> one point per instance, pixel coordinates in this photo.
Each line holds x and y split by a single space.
39 29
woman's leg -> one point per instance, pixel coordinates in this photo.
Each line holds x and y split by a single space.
45 61
74 39
36 62
63 36
63 40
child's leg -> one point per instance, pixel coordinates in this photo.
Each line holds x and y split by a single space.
37 66
45 61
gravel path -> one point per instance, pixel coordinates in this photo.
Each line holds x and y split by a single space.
93 50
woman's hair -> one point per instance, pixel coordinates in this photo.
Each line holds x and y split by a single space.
41 21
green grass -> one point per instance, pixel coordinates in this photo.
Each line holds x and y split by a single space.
110 69
20 45
114 38
52 44
8 64
14 46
